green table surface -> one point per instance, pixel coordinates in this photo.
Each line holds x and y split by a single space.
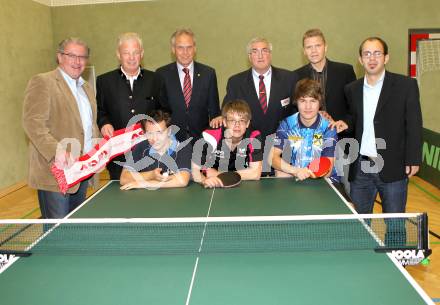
316 277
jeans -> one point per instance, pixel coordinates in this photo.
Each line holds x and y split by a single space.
363 192
114 169
364 189
56 205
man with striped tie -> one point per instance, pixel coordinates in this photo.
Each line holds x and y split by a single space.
267 90
189 88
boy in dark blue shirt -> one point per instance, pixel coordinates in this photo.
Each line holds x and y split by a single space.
161 160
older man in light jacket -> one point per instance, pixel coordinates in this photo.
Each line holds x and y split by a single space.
59 107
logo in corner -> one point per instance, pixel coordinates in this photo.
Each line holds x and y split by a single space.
5 259
409 257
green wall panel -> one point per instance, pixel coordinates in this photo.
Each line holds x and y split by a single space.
224 27
26 49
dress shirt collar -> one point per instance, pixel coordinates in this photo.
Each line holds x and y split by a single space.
134 77
73 82
323 69
266 75
379 81
190 67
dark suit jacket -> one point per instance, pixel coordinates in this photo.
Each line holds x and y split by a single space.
241 86
204 104
338 75
398 120
117 104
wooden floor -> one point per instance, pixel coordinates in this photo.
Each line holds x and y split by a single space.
19 201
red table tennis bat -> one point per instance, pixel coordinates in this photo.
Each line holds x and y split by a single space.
229 179
320 167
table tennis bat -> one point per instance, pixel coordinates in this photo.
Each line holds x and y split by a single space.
229 179
320 167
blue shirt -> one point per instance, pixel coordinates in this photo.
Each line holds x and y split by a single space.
305 143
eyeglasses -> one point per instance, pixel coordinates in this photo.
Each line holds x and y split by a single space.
237 122
375 54
263 51
74 57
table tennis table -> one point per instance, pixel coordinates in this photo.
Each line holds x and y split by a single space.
360 277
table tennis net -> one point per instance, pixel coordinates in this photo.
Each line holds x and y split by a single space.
212 235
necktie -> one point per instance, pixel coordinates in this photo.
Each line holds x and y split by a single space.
262 94
187 88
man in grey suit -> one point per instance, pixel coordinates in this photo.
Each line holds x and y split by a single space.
189 88
58 106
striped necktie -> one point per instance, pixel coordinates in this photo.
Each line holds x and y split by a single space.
262 96
187 88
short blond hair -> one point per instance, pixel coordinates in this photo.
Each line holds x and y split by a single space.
129 36
313 33
237 106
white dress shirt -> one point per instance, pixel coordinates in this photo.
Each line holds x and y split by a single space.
182 74
267 81
371 98
130 78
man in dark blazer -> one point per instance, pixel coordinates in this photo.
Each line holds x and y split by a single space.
268 90
189 88
332 75
125 92
386 119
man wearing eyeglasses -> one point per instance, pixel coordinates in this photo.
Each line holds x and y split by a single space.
159 162
189 88
125 92
59 107
387 122
235 147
